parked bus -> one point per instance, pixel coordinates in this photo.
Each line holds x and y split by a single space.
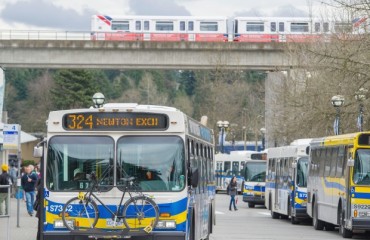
254 174
170 155
229 165
339 183
286 181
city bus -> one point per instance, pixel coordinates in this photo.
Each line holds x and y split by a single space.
339 183
170 155
254 174
286 181
229 165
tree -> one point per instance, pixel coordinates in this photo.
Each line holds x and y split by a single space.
73 89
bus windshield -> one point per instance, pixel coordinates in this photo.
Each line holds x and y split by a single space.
255 172
361 169
302 170
157 162
72 158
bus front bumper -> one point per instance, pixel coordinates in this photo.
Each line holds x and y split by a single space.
254 199
66 235
300 213
360 224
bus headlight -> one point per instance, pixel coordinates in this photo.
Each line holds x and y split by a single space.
166 224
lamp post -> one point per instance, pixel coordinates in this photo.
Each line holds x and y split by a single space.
222 126
98 100
337 101
360 97
263 131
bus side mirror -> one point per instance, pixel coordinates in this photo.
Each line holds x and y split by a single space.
37 151
350 162
194 179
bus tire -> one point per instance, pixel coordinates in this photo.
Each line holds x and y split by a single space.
251 205
342 229
293 219
191 235
274 215
316 222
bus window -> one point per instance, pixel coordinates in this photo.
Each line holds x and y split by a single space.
340 161
227 168
327 162
255 172
361 169
321 153
76 157
334 159
235 171
302 169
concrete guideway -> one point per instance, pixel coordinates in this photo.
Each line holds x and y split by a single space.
77 54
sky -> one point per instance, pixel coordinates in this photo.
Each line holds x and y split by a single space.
75 15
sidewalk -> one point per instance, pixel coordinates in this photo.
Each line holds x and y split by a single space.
27 225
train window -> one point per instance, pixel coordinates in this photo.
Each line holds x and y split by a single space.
164 26
146 25
273 27
138 25
342 27
299 27
325 27
281 27
209 26
190 26
317 27
182 25
255 27
121 25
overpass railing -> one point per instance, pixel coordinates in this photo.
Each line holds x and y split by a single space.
44 35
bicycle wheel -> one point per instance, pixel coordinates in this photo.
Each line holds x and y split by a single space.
80 214
140 213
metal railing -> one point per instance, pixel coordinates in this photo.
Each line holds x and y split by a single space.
43 35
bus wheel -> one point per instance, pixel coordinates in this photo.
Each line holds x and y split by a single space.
251 205
274 215
317 224
342 230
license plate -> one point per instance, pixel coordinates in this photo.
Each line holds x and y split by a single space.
111 223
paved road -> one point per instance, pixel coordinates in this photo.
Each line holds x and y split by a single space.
257 224
245 223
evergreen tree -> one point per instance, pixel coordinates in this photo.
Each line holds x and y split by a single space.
188 82
73 89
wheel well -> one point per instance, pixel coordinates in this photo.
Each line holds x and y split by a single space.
270 201
339 211
313 204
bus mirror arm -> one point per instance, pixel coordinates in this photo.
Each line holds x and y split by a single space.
350 162
294 164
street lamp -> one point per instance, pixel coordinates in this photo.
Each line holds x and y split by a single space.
337 101
263 131
360 97
98 100
222 126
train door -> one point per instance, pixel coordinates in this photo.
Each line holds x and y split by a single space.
146 30
191 35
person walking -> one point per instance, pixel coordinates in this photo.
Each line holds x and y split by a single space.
4 180
28 183
13 172
232 191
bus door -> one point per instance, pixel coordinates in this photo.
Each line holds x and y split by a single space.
277 183
348 170
226 174
219 174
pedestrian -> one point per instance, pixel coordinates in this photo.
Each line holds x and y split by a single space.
232 191
28 183
4 180
13 172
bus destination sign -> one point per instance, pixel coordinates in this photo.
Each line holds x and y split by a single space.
114 121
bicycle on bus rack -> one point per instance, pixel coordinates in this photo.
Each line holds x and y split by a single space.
138 212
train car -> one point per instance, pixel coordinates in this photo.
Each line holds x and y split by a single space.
273 29
159 28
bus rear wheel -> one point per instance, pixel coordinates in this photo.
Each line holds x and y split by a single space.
316 222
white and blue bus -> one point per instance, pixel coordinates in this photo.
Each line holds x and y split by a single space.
286 181
143 141
229 165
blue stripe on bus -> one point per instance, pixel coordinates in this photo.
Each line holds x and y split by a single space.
360 195
334 185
